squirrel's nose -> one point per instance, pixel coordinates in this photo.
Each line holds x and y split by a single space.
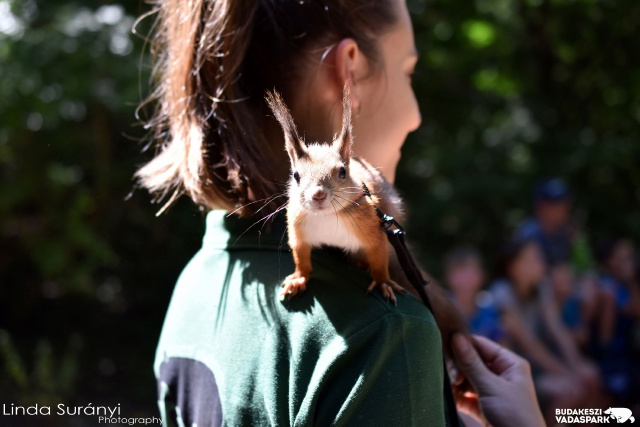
319 195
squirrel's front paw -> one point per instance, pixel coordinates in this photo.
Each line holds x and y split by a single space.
387 286
294 283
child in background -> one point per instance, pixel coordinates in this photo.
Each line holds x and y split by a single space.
568 299
465 276
636 326
531 319
555 227
620 309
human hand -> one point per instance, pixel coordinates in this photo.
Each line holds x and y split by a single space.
506 396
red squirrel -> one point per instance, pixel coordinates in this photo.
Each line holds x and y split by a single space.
328 206
327 203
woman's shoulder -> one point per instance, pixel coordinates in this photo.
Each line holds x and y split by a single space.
236 255
334 350
335 302
226 313
230 284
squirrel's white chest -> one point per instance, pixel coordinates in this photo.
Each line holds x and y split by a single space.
330 230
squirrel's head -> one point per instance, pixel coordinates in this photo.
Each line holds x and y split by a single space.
320 178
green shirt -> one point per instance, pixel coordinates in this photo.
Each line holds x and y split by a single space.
231 353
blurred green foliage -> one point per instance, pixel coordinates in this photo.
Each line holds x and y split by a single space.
85 275
510 91
517 91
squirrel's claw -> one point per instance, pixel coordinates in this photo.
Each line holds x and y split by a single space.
387 287
293 284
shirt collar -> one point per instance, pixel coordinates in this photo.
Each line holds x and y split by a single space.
224 231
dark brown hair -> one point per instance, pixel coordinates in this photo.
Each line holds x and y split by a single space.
215 61
511 250
461 255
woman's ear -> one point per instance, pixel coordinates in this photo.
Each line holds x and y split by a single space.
351 65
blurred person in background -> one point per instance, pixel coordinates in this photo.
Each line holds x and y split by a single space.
620 311
636 327
590 306
553 228
465 277
571 296
534 329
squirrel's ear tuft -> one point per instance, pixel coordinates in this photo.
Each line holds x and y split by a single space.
345 139
295 146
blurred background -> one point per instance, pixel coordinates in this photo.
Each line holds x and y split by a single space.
531 114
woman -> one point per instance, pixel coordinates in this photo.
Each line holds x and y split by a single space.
230 351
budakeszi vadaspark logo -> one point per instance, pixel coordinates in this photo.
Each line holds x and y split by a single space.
608 416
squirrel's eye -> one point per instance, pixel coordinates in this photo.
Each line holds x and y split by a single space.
343 173
296 176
